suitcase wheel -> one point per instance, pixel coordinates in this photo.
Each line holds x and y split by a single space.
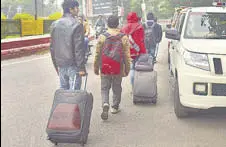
135 102
83 144
154 101
53 142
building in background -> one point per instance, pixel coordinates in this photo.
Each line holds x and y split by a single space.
89 8
106 7
102 7
93 8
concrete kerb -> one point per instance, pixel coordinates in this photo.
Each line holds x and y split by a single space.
24 46
24 51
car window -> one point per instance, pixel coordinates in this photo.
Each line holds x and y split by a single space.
177 23
206 26
180 22
175 17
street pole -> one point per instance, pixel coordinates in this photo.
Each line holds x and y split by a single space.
144 10
42 9
56 5
84 7
81 6
122 7
36 10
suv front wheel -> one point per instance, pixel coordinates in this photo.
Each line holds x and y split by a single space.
179 109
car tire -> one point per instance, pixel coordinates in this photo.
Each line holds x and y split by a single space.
135 102
154 101
179 109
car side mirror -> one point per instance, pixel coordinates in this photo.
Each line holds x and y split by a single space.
172 34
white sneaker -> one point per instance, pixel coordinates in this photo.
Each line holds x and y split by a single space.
114 111
104 114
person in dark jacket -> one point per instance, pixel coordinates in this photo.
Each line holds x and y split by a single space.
158 36
100 25
100 22
156 31
134 29
67 46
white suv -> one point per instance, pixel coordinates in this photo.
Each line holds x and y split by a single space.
198 59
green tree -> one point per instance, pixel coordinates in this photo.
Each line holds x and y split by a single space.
55 16
11 5
165 10
45 7
192 3
24 16
136 6
161 9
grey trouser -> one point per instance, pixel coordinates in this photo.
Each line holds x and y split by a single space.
106 83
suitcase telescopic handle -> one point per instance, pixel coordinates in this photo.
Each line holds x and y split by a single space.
74 82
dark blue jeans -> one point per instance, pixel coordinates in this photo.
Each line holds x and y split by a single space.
132 71
86 41
69 78
152 50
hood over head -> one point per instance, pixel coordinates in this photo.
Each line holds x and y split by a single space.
132 17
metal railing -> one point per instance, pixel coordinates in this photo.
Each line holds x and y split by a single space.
10 28
46 26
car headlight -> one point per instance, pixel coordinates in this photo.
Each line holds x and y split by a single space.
197 60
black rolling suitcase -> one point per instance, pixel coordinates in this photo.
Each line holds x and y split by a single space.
145 81
70 116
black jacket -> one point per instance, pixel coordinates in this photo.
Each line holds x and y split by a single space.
67 42
157 30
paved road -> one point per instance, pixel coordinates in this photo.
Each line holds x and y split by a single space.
28 85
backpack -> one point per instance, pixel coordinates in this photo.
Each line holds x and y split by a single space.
150 35
112 54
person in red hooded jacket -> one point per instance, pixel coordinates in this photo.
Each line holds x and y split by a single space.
135 31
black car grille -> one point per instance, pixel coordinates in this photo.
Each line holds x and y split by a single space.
219 89
217 66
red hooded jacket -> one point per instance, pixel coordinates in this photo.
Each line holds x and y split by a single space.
136 30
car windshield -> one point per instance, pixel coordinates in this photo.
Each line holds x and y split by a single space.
206 26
